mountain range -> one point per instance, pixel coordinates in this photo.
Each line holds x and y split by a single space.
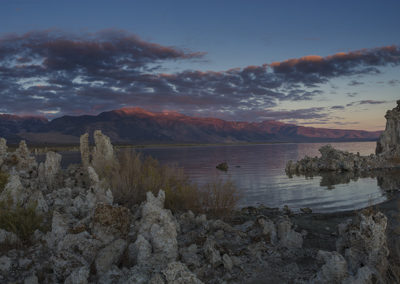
138 126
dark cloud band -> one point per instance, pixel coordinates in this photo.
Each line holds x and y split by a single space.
60 73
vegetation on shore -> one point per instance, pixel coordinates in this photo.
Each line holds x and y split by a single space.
132 175
20 220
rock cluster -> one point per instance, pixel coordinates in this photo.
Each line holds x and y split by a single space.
90 239
333 160
387 154
388 144
361 255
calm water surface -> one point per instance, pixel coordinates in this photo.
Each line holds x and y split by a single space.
259 173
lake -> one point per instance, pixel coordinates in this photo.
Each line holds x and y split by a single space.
258 171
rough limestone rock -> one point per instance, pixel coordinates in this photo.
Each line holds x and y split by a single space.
227 261
287 236
78 276
110 255
59 228
334 269
159 227
211 253
363 243
50 169
103 152
139 251
85 150
8 238
189 255
14 191
5 264
24 160
269 230
110 222
99 192
388 144
178 273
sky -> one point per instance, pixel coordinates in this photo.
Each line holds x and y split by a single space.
331 64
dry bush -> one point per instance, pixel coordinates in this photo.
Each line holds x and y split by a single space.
220 198
134 175
3 180
20 220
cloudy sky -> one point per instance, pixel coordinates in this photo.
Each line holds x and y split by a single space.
318 63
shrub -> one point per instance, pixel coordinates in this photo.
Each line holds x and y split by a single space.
3 180
19 220
133 175
220 197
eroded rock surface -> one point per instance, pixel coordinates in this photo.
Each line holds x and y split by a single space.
388 144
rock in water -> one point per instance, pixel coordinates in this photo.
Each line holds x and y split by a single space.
85 150
388 144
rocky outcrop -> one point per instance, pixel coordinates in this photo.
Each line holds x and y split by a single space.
363 243
87 238
333 160
159 228
361 255
49 170
85 150
103 152
388 144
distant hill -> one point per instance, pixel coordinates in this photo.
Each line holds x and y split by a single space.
138 126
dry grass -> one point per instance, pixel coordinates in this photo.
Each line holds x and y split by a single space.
19 220
133 175
3 180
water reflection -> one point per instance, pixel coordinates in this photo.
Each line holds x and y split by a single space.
387 180
259 173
